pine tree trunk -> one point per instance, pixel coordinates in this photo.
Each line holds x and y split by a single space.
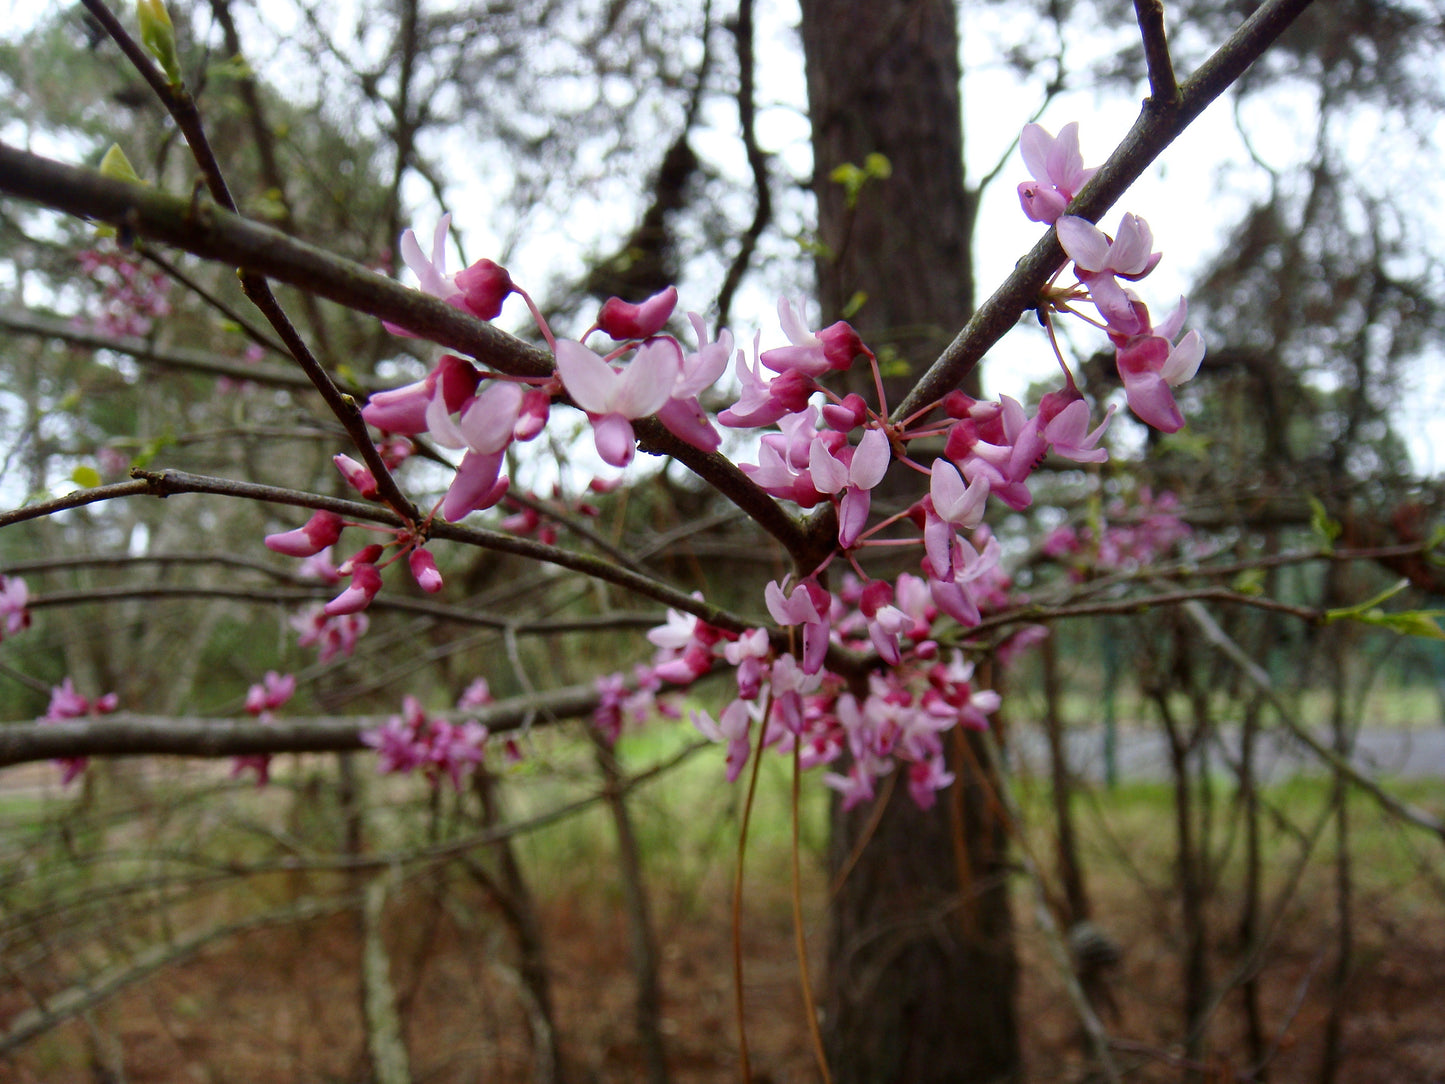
922 972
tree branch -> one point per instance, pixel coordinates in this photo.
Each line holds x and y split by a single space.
212 233
1159 124
125 734
1162 85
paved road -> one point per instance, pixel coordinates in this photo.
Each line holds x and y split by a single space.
1143 754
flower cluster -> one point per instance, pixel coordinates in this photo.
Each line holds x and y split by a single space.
1122 540
131 297
818 449
414 740
262 699
1151 360
66 703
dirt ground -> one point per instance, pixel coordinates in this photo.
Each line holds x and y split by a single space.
283 1005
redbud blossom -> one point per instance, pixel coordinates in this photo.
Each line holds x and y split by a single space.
270 693
809 605
532 417
763 402
14 596
365 583
357 475
613 399
1098 259
1058 170
66 703
320 531
623 320
813 354
484 286
424 569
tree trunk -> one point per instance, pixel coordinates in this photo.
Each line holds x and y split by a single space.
922 973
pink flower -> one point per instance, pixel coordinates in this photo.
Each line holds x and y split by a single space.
614 399
809 605
1058 170
1098 259
764 401
333 635
733 727
949 505
1065 418
854 472
484 286
66 703
357 475
480 289
14 596
476 695
623 320
365 583
925 779
1150 366
320 531
270 693
856 787
424 570
813 354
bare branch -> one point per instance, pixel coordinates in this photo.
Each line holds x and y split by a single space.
30 323
127 735
1163 88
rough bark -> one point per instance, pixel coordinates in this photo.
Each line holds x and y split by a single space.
922 972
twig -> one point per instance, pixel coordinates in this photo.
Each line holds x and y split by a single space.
80 998
1163 88
30 323
183 111
1261 680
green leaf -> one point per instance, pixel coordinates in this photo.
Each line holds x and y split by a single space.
1405 622
877 165
117 167
158 35
85 477
151 450
1249 582
855 303
1408 623
1320 523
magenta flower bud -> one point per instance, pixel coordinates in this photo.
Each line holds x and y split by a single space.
367 555
256 699
841 345
357 475
365 583
484 286
875 595
424 570
320 531
623 320
459 379
847 415
532 418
